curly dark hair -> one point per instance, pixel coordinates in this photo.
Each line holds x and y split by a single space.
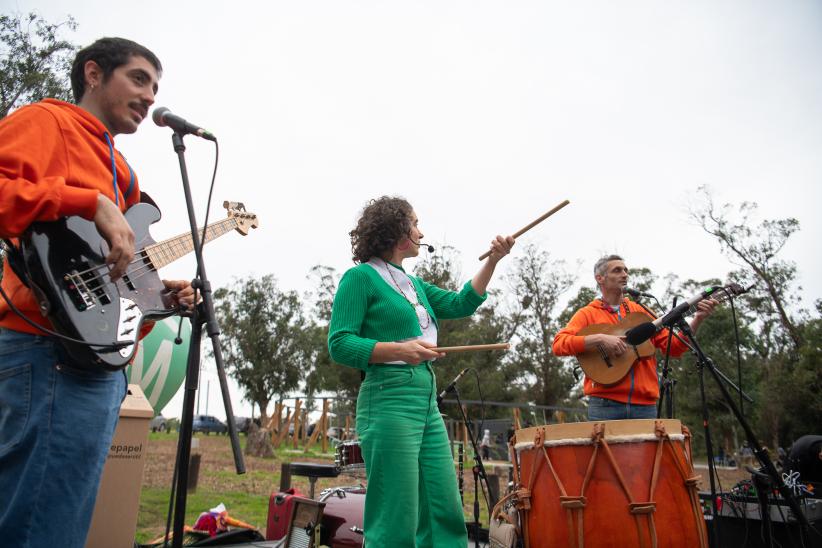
383 223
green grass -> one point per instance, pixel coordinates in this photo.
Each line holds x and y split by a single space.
154 508
225 486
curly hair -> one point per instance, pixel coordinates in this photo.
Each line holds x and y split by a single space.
382 224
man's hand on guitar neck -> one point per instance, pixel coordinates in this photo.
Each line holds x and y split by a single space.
180 292
704 308
114 228
611 344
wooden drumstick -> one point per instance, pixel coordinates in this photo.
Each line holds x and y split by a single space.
472 347
531 225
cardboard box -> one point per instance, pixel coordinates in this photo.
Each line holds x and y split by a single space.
118 500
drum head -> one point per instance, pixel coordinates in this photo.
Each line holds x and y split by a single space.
582 430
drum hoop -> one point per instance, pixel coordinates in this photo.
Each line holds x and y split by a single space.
632 438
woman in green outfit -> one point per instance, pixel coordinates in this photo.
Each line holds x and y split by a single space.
384 322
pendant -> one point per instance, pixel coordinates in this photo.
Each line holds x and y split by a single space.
422 316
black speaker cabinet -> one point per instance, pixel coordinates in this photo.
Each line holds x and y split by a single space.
741 522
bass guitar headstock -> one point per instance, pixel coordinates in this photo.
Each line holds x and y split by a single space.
244 219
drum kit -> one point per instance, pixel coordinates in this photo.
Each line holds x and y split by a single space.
342 519
591 484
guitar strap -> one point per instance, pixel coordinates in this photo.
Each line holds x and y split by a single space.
15 259
624 306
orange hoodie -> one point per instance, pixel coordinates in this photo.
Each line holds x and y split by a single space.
54 161
641 385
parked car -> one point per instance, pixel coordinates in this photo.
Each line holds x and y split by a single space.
244 423
208 424
158 424
337 433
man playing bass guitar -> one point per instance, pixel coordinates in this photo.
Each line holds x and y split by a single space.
57 417
635 395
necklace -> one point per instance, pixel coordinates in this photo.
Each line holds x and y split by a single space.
422 312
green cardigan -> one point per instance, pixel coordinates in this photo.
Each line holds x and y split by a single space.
367 310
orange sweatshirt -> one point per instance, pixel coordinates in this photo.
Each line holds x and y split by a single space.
54 161
641 385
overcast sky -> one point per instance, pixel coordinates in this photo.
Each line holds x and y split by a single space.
484 114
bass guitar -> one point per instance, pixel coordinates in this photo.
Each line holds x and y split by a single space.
66 269
610 370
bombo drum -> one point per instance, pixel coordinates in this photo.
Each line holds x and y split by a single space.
612 483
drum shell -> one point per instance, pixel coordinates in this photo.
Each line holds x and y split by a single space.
349 456
607 518
340 514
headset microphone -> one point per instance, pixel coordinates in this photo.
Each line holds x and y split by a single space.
430 248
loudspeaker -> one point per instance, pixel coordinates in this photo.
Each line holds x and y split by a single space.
740 522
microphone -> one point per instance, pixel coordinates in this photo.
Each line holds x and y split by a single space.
430 248
644 331
165 118
451 386
635 294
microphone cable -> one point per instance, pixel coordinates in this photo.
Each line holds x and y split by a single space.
738 357
479 477
210 193
482 403
205 232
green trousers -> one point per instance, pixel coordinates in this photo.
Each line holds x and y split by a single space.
412 498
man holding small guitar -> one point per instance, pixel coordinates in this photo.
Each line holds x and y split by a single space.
57 416
631 395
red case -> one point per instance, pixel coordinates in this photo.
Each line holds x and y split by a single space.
279 513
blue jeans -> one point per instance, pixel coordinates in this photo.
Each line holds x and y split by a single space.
601 409
56 425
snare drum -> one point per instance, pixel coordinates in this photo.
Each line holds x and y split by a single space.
349 457
612 483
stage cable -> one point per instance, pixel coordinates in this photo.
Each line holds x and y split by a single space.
210 192
738 357
205 231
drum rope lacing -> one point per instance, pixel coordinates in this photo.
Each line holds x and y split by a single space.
575 505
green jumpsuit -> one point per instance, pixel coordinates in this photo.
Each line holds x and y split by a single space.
412 497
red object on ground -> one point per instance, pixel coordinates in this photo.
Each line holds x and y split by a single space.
279 513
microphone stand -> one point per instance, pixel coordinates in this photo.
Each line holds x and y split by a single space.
666 392
704 362
478 470
666 396
202 314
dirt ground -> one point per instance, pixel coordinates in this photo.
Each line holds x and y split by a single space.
262 476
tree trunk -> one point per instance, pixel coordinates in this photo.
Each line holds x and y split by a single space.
263 405
258 442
